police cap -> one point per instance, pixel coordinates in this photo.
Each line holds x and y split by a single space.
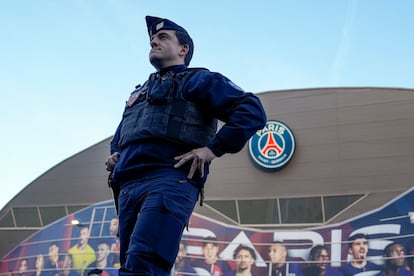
155 24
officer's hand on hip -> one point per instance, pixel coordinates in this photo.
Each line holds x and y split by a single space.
199 157
111 161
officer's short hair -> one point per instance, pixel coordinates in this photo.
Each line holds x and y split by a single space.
184 38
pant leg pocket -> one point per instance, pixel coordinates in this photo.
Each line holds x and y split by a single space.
177 207
180 201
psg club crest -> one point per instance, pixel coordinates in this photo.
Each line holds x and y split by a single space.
272 147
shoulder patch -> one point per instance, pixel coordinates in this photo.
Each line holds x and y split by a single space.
132 98
139 89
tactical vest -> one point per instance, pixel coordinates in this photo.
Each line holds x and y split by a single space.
160 111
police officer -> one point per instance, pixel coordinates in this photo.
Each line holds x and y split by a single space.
162 149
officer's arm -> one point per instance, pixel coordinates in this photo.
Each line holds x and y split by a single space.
114 151
115 139
242 113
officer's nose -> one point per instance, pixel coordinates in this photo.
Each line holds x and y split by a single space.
154 42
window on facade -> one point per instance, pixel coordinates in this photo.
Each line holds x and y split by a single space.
226 207
74 208
7 220
26 217
97 223
301 210
29 216
261 211
335 204
51 214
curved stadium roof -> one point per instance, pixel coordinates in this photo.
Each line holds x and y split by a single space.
357 142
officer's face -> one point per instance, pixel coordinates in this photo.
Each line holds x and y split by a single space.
166 50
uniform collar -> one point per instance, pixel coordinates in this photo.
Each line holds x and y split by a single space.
174 69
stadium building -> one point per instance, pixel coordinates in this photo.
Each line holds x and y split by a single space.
330 162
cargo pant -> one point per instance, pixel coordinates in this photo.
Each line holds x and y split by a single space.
153 212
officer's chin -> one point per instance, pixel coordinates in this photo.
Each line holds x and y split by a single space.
156 62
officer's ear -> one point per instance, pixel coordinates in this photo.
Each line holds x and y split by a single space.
184 50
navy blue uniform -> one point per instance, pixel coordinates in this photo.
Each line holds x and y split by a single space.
162 195
217 96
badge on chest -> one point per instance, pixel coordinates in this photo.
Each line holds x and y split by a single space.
134 96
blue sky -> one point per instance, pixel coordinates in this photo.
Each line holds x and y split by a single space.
67 66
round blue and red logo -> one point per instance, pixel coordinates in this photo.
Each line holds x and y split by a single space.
272 147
